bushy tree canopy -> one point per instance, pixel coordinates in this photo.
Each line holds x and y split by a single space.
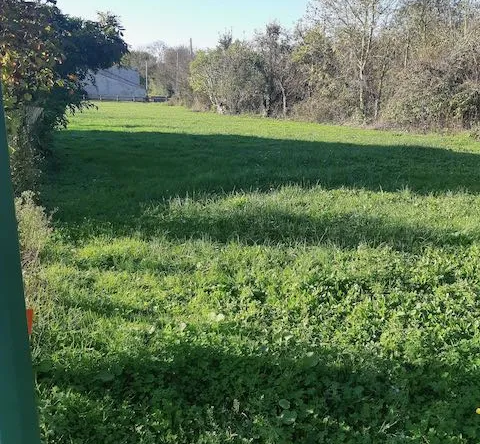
45 58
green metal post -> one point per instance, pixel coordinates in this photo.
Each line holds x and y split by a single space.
18 411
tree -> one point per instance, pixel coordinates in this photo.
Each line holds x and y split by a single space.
86 46
275 48
360 22
139 61
326 93
397 62
174 70
436 74
29 50
229 77
168 68
40 48
45 58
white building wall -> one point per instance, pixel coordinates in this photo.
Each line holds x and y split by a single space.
115 82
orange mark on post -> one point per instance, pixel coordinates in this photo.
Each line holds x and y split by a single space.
29 320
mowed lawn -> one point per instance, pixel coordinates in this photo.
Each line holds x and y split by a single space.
218 279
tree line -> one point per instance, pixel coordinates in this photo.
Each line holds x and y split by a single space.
405 63
45 59
408 63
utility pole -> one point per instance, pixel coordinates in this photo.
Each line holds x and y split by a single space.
146 76
18 410
191 48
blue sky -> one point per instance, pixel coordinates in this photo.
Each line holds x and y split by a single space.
175 21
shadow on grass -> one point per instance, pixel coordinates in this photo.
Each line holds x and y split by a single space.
178 387
186 392
108 177
271 226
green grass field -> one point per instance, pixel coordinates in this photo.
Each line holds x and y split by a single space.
222 279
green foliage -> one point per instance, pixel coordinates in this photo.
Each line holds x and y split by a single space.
25 157
442 90
229 78
324 89
86 46
45 57
168 69
409 64
41 49
28 50
290 282
274 47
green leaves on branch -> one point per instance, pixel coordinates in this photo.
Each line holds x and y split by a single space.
45 58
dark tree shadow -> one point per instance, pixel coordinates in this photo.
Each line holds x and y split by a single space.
103 181
273 226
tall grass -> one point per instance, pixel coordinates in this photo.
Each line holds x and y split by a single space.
35 233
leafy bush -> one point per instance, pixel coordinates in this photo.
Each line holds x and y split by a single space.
420 101
332 103
26 156
229 78
45 58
